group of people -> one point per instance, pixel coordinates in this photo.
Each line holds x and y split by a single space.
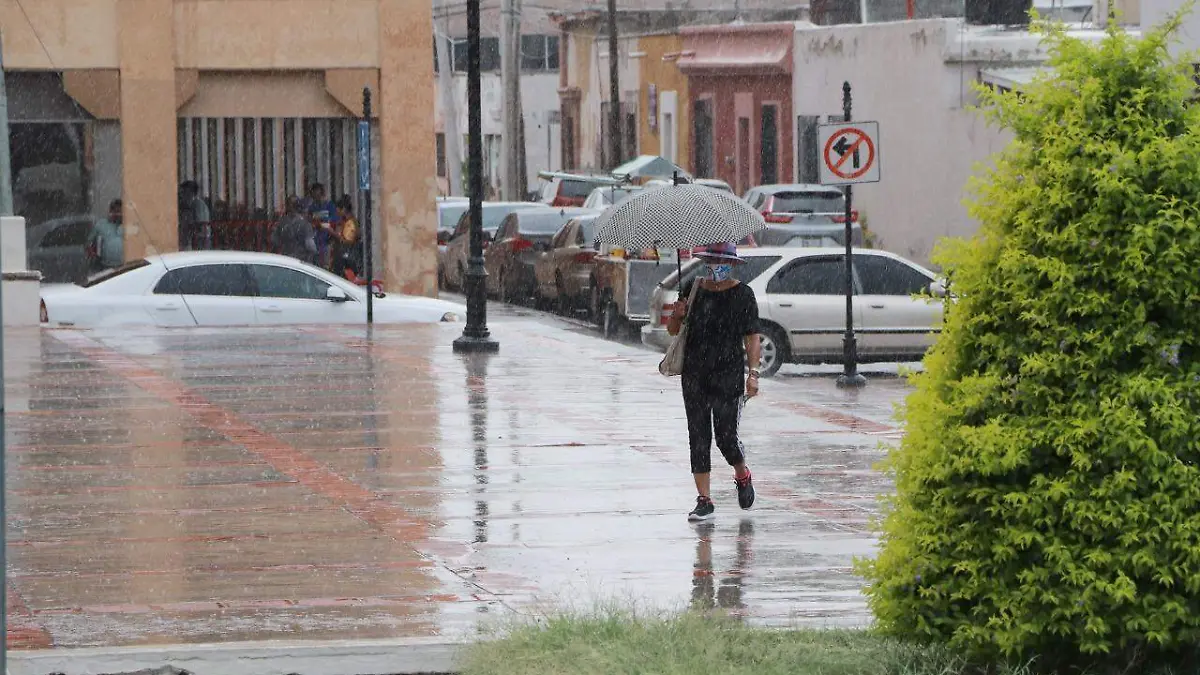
319 231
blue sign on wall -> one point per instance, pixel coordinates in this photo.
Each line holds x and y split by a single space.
364 155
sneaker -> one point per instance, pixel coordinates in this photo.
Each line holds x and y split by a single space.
745 490
703 511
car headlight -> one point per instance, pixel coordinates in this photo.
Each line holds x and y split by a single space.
450 317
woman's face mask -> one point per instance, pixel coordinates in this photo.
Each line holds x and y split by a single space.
717 271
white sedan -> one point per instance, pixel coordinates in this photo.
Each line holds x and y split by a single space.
228 288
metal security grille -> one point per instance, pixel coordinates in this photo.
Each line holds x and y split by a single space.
246 167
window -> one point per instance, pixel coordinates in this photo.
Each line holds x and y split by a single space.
769 145
668 137
218 280
282 282
559 240
440 140
74 233
806 148
820 276
831 201
489 55
587 232
880 275
631 132
753 268
539 53
702 137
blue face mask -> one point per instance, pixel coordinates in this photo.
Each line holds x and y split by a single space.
717 272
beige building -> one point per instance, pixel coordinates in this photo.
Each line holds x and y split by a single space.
252 99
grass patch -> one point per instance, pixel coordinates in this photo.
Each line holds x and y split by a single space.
621 642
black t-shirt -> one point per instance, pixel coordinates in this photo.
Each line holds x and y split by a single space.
718 323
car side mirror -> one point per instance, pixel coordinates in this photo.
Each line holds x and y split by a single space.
335 294
937 289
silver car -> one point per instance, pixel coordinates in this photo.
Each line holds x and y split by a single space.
802 305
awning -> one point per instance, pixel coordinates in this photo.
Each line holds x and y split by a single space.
734 49
1014 79
649 166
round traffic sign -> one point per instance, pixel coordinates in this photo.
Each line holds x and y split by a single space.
844 145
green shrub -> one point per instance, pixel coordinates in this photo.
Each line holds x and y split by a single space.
1048 494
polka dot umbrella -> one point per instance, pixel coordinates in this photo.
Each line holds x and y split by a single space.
677 217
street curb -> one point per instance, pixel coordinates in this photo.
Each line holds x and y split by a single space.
343 657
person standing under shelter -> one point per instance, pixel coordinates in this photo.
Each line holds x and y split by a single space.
195 229
323 213
294 235
107 241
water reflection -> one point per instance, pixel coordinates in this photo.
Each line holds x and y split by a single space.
477 404
706 593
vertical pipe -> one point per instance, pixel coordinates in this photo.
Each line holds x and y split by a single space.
614 90
368 240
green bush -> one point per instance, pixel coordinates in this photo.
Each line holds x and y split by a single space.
1048 494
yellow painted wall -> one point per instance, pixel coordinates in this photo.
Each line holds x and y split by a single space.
665 76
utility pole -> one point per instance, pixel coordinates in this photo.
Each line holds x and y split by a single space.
445 57
510 75
614 92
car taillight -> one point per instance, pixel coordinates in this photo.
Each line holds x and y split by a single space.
585 257
43 314
842 219
777 218
522 245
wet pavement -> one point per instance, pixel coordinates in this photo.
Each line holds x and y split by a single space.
184 486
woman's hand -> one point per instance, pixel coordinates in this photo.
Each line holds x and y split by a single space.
751 385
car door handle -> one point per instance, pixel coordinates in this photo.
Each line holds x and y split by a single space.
272 308
785 304
875 306
167 307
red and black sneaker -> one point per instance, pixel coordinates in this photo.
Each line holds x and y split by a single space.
704 510
745 490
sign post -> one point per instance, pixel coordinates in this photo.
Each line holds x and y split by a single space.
849 155
364 184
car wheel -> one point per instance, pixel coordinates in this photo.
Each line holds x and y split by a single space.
596 306
611 321
774 350
562 303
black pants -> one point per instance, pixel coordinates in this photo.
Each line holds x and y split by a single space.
706 413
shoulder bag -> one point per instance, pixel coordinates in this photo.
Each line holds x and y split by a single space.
672 363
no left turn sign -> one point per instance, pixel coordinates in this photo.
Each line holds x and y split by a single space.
849 153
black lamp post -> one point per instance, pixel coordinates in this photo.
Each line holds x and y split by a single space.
475 337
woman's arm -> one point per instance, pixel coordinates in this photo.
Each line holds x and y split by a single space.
678 314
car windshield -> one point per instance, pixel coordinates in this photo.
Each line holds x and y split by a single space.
808 202
754 266
589 231
115 272
542 223
576 188
493 216
448 215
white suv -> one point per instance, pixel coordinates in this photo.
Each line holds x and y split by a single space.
802 305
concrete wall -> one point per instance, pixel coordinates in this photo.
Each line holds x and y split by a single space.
539 96
930 142
667 80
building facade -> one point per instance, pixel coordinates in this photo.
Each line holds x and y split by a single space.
740 100
917 79
252 99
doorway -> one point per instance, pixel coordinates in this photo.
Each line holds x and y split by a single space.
702 129
769 145
743 155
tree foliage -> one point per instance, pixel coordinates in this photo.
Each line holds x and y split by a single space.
1047 489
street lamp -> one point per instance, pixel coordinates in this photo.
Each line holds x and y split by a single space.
475 337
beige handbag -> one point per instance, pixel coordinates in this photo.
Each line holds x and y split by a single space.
672 363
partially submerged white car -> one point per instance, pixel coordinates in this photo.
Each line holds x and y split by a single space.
228 288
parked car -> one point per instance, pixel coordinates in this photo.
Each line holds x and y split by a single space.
58 248
564 189
802 305
458 247
807 241
810 228
228 288
604 197
450 209
522 238
715 183
770 200
564 273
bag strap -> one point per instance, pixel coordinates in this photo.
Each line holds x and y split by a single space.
691 301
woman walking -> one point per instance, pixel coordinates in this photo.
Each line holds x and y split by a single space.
722 338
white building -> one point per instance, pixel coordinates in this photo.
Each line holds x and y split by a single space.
916 78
